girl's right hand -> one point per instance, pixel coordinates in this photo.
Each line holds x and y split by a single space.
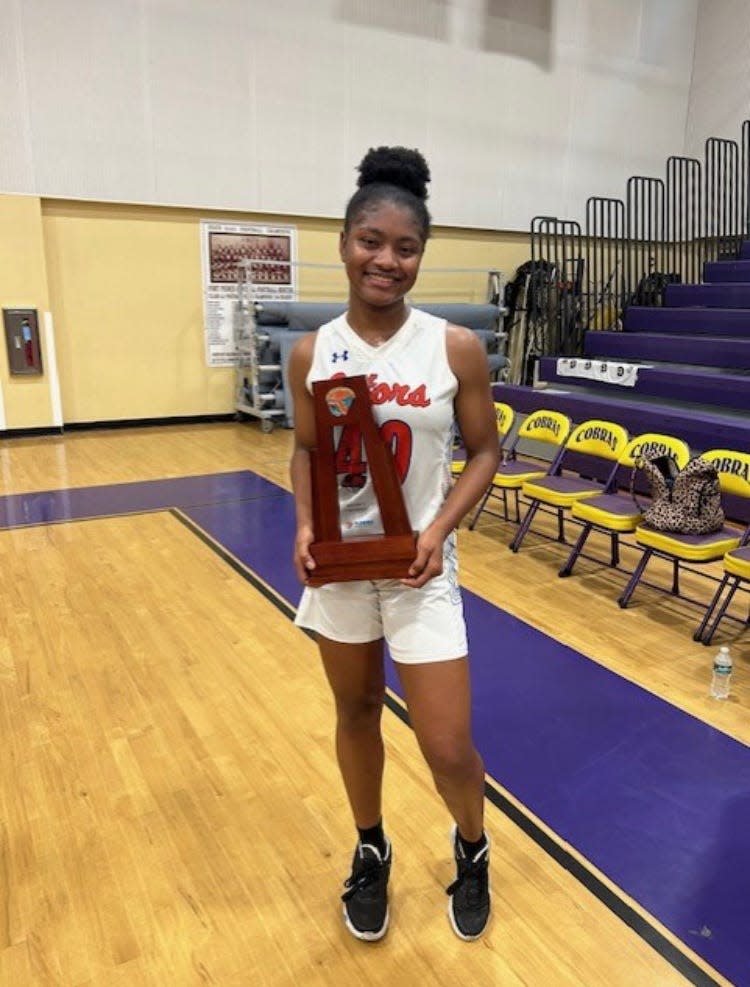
304 563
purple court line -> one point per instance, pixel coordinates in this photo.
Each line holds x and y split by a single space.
77 503
654 798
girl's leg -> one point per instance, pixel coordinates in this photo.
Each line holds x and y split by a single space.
357 679
438 695
439 700
356 675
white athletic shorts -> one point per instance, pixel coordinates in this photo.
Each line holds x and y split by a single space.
419 625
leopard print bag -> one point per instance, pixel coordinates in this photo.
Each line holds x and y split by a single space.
686 501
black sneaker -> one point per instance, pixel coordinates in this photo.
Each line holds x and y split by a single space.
366 898
469 904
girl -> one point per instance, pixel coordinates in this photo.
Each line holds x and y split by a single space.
422 373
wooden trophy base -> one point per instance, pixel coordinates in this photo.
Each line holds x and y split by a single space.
373 557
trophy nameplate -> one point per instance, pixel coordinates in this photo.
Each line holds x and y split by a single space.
345 401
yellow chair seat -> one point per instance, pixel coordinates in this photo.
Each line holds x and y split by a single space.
514 481
561 491
737 563
613 512
689 548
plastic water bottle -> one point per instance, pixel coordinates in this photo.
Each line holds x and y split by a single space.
722 674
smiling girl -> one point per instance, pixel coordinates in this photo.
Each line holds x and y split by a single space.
423 373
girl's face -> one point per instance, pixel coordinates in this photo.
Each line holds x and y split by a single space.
382 251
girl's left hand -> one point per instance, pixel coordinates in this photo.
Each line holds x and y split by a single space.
429 559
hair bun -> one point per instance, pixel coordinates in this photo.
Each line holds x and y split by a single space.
400 166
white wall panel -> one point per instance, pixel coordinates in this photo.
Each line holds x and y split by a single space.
86 89
16 160
303 122
720 91
201 92
630 100
522 107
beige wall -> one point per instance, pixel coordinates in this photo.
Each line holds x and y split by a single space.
23 284
124 286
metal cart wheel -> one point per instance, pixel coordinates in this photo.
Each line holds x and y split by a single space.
266 425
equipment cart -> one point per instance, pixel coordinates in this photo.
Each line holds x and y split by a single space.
260 392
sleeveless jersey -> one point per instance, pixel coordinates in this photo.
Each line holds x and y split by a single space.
411 390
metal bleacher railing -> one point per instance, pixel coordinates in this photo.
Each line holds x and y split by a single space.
628 250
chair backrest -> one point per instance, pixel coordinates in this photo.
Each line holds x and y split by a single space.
655 444
551 427
594 449
649 444
504 416
734 478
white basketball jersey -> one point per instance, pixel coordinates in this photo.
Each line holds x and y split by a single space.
411 389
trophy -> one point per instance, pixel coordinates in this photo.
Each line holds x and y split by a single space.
345 401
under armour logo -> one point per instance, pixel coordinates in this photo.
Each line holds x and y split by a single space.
340 356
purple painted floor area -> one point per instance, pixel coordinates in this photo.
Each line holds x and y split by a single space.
262 539
50 506
656 799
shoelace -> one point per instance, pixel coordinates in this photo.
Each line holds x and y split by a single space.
472 874
364 876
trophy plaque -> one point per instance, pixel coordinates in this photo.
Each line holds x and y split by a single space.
345 401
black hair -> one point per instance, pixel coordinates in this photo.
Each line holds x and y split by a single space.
392 174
